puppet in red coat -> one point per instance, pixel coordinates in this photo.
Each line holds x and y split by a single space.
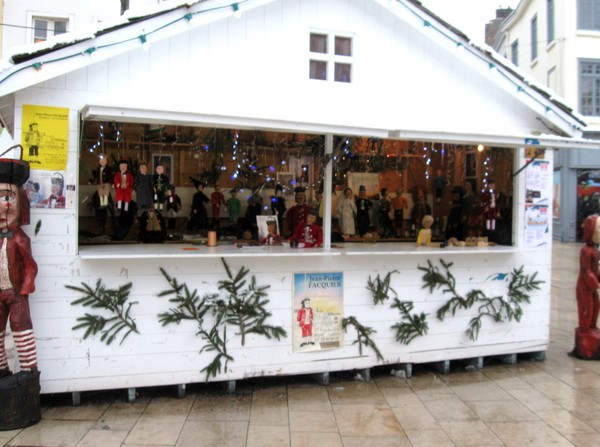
308 233
123 182
297 214
18 269
587 335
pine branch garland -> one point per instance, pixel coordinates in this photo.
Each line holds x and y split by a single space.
115 301
363 334
380 288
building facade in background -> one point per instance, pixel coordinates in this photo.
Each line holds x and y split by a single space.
558 43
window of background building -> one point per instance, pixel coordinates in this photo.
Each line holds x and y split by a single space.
45 28
330 52
589 87
534 38
514 52
588 15
550 20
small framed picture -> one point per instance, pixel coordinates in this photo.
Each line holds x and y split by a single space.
167 161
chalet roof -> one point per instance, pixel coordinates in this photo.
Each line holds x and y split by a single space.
75 50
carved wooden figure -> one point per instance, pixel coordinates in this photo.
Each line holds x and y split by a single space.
587 335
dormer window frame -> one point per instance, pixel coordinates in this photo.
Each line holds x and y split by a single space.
331 56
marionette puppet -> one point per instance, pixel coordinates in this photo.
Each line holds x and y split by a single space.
123 182
587 334
346 209
173 207
386 228
160 184
143 188
19 392
198 216
217 200
297 214
489 200
234 206
398 204
363 208
278 203
103 178
307 234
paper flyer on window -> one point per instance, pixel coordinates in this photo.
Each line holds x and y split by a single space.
538 186
317 311
45 137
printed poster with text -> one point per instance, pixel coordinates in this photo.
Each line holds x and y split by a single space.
317 311
45 136
538 185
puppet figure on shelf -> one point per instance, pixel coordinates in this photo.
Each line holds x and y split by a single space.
272 237
346 209
103 178
424 238
217 200
160 184
587 335
489 200
173 207
20 392
363 209
439 183
420 208
123 182
143 188
386 228
296 215
278 203
307 234
199 216
234 207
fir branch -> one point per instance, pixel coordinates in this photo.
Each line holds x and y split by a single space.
244 305
414 326
218 344
363 335
380 289
113 301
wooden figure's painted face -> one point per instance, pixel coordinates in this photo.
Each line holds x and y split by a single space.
102 161
160 169
143 169
10 210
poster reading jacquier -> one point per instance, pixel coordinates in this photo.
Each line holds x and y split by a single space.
317 311
45 137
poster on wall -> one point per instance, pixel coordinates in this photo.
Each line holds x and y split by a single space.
317 311
47 189
45 136
538 190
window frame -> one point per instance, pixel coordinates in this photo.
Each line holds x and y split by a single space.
595 91
550 21
588 15
336 65
533 24
514 52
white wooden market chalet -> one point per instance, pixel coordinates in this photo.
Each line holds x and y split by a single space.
244 64
406 75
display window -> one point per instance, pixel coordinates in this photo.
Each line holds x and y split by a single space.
172 184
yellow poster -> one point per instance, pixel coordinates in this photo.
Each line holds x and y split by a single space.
45 137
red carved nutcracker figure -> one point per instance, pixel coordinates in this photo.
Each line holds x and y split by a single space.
587 335
308 233
18 269
123 186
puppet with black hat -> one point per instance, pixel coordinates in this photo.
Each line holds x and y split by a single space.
19 392
278 207
307 234
199 216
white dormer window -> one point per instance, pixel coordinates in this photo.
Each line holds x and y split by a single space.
46 27
330 57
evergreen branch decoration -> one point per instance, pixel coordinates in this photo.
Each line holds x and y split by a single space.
498 308
112 300
380 288
245 308
363 335
414 326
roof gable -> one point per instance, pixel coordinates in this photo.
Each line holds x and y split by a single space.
127 36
